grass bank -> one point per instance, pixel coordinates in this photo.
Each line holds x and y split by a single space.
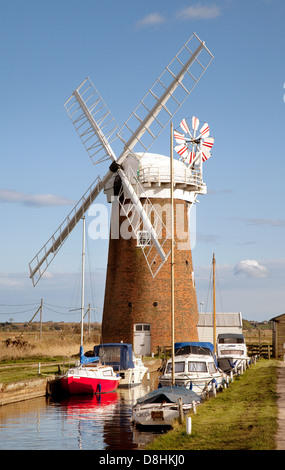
242 417
25 369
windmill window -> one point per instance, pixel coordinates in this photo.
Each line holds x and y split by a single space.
143 238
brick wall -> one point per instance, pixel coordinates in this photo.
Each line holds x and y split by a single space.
132 295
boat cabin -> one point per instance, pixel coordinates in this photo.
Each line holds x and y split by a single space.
199 364
231 338
117 355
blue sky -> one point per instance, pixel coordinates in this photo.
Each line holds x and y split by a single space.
48 48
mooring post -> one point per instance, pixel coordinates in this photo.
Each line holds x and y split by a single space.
188 425
181 414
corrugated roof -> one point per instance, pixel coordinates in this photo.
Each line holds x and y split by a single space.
222 319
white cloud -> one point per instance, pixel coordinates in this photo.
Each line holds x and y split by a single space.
13 280
199 12
153 19
40 200
47 275
251 268
261 222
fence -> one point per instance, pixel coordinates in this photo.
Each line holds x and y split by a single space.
259 349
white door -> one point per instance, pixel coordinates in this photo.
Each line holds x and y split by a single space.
142 338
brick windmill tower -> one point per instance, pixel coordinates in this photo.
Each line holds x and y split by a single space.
140 292
137 183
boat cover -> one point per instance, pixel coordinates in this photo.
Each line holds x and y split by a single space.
86 360
194 347
170 395
117 355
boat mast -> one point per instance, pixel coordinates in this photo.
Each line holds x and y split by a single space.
172 256
214 301
82 291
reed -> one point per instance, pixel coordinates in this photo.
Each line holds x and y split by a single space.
52 344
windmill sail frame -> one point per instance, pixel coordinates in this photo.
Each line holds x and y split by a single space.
90 116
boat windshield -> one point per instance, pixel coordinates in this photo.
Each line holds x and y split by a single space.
197 367
212 367
178 367
238 339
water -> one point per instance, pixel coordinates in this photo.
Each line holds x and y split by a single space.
87 422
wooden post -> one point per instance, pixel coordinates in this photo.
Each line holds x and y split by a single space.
214 305
172 256
181 414
41 319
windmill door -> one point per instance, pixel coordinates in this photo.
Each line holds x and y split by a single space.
142 338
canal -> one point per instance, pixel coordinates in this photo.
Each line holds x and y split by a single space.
88 422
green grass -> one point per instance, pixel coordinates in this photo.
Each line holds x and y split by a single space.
242 417
27 368
26 373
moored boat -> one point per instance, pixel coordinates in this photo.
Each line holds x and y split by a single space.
162 406
194 368
89 377
232 352
121 358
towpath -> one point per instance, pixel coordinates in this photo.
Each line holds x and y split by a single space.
281 406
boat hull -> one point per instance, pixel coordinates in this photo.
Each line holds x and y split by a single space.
85 380
79 385
232 363
132 377
152 415
199 386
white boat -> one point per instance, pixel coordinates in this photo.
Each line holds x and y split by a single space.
194 368
89 377
164 405
232 352
122 359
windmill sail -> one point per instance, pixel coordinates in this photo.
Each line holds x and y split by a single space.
166 96
97 129
83 107
44 257
93 121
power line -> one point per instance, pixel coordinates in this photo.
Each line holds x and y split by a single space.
17 313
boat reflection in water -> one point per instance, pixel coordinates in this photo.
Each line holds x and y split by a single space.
103 421
89 422
90 407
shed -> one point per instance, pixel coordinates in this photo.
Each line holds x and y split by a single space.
225 323
278 336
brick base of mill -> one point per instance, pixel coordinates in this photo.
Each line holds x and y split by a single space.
133 296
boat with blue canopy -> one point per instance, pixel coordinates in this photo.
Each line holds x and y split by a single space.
195 368
121 358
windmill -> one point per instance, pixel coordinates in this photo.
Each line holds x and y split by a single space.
98 131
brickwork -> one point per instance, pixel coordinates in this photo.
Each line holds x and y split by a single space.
133 296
